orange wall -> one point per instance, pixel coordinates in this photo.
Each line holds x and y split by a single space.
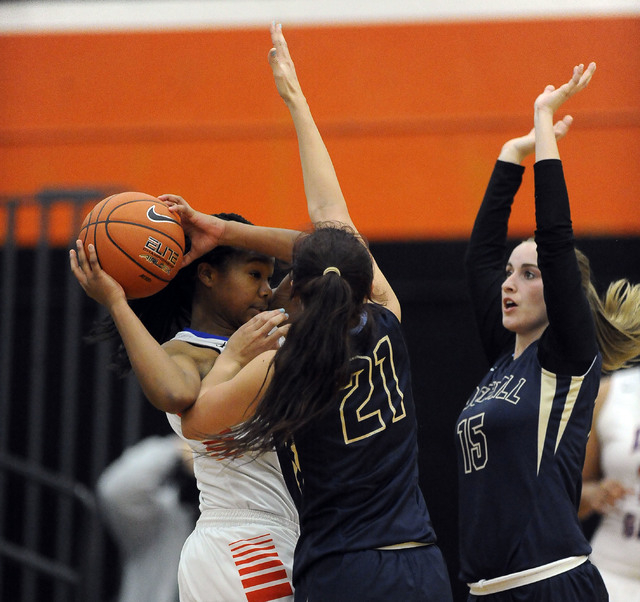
413 115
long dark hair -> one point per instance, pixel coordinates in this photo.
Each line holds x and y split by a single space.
314 362
169 310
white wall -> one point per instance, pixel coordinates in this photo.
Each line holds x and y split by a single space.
29 16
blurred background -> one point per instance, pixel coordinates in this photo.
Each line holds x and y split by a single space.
414 101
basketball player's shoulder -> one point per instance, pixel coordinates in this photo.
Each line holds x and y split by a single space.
195 344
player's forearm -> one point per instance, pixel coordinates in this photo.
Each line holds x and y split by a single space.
516 150
325 201
546 146
275 242
587 499
226 398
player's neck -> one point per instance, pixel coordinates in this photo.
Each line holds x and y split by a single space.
211 324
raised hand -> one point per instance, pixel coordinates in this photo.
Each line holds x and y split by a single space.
262 333
284 71
548 102
203 230
517 149
551 99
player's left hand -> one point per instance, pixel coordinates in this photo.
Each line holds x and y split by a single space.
551 99
284 71
264 332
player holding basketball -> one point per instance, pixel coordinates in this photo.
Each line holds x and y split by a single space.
244 503
338 396
522 434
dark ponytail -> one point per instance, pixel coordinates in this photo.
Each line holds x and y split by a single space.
314 362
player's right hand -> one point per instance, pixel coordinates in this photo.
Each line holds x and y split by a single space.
92 278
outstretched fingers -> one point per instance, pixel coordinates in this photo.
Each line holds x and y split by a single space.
264 332
280 49
271 325
580 78
551 99
586 76
281 63
75 263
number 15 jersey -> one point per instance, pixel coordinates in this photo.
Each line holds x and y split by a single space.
521 441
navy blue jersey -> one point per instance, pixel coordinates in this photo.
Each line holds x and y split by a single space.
521 445
357 464
521 436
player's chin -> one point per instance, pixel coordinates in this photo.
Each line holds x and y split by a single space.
509 323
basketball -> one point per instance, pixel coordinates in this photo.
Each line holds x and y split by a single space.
138 241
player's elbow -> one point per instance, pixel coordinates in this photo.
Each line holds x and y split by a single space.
189 427
172 402
188 431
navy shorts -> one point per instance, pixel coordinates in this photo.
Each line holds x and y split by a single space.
582 584
407 575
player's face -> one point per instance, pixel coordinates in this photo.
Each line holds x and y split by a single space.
242 290
523 309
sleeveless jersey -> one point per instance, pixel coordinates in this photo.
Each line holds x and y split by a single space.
245 483
616 542
357 464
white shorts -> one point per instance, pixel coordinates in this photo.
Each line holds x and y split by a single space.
238 555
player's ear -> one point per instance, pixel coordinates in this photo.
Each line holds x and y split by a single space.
207 274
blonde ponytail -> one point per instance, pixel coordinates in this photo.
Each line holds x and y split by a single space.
617 318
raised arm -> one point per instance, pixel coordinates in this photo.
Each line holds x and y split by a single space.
170 384
207 231
325 201
569 344
485 256
518 149
548 103
169 379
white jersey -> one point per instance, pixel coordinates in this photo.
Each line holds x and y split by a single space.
241 500
616 542
246 483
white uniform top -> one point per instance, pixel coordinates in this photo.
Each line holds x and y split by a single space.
246 483
616 542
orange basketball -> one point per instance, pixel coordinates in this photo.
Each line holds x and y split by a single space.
139 242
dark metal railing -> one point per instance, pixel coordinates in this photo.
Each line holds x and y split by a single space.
63 415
